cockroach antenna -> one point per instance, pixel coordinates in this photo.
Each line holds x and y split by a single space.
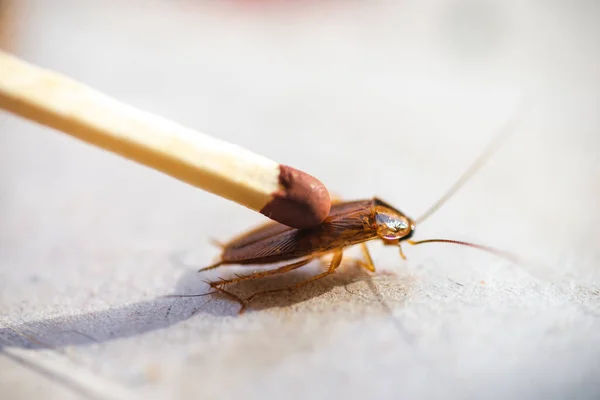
492 147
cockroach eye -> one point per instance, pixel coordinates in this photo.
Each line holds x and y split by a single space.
391 226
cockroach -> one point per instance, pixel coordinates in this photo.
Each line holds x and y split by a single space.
349 223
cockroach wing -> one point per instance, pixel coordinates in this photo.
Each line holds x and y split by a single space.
348 223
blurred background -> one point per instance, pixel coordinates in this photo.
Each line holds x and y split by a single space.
386 98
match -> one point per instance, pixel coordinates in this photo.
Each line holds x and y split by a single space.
282 193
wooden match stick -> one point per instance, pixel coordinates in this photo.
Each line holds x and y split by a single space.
282 193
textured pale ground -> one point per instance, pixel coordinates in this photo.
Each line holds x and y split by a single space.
399 100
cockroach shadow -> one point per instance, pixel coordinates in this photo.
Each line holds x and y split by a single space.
161 313
269 287
102 326
110 324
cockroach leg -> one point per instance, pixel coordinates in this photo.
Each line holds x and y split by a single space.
359 263
241 301
335 262
368 263
261 274
401 252
218 285
212 266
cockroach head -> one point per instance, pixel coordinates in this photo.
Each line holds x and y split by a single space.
392 225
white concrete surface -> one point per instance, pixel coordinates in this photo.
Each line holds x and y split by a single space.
392 99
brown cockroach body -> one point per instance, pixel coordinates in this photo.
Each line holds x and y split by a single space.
348 224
